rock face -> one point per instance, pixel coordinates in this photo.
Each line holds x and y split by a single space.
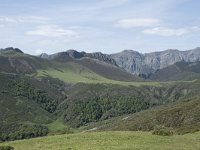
102 57
73 54
146 64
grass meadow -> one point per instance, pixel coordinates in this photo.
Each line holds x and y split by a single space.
110 141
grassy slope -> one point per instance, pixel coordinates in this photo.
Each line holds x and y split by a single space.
56 126
111 141
71 72
107 70
179 71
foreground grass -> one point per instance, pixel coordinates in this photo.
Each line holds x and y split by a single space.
110 141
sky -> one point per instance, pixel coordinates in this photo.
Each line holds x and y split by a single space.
108 26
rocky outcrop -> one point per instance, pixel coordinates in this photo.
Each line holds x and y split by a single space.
73 54
145 64
102 57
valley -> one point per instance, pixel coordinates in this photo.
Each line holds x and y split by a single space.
67 95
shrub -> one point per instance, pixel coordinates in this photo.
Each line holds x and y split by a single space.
163 131
6 148
20 131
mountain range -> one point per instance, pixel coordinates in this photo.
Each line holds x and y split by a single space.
132 61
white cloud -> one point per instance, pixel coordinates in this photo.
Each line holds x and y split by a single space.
137 22
53 31
1 26
162 31
24 19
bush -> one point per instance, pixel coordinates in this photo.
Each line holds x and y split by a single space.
163 131
20 131
6 148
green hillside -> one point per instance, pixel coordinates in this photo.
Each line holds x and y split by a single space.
69 71
73 73
107 70
111 141
182 117
26 104
178 71
95 102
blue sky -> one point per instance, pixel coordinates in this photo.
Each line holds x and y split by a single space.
109 26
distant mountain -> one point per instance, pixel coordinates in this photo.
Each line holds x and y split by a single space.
117 66
146 64
131 61
70 65
73 54
10 50
99 63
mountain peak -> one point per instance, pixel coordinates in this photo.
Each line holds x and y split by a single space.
75 54
11 50
129 51
44 55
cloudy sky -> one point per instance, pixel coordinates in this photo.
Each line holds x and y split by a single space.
109 26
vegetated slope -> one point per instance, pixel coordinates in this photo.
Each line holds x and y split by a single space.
111 141
95 102
80 71
107 70
96 63
179 71
26 106
182 116
12 61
